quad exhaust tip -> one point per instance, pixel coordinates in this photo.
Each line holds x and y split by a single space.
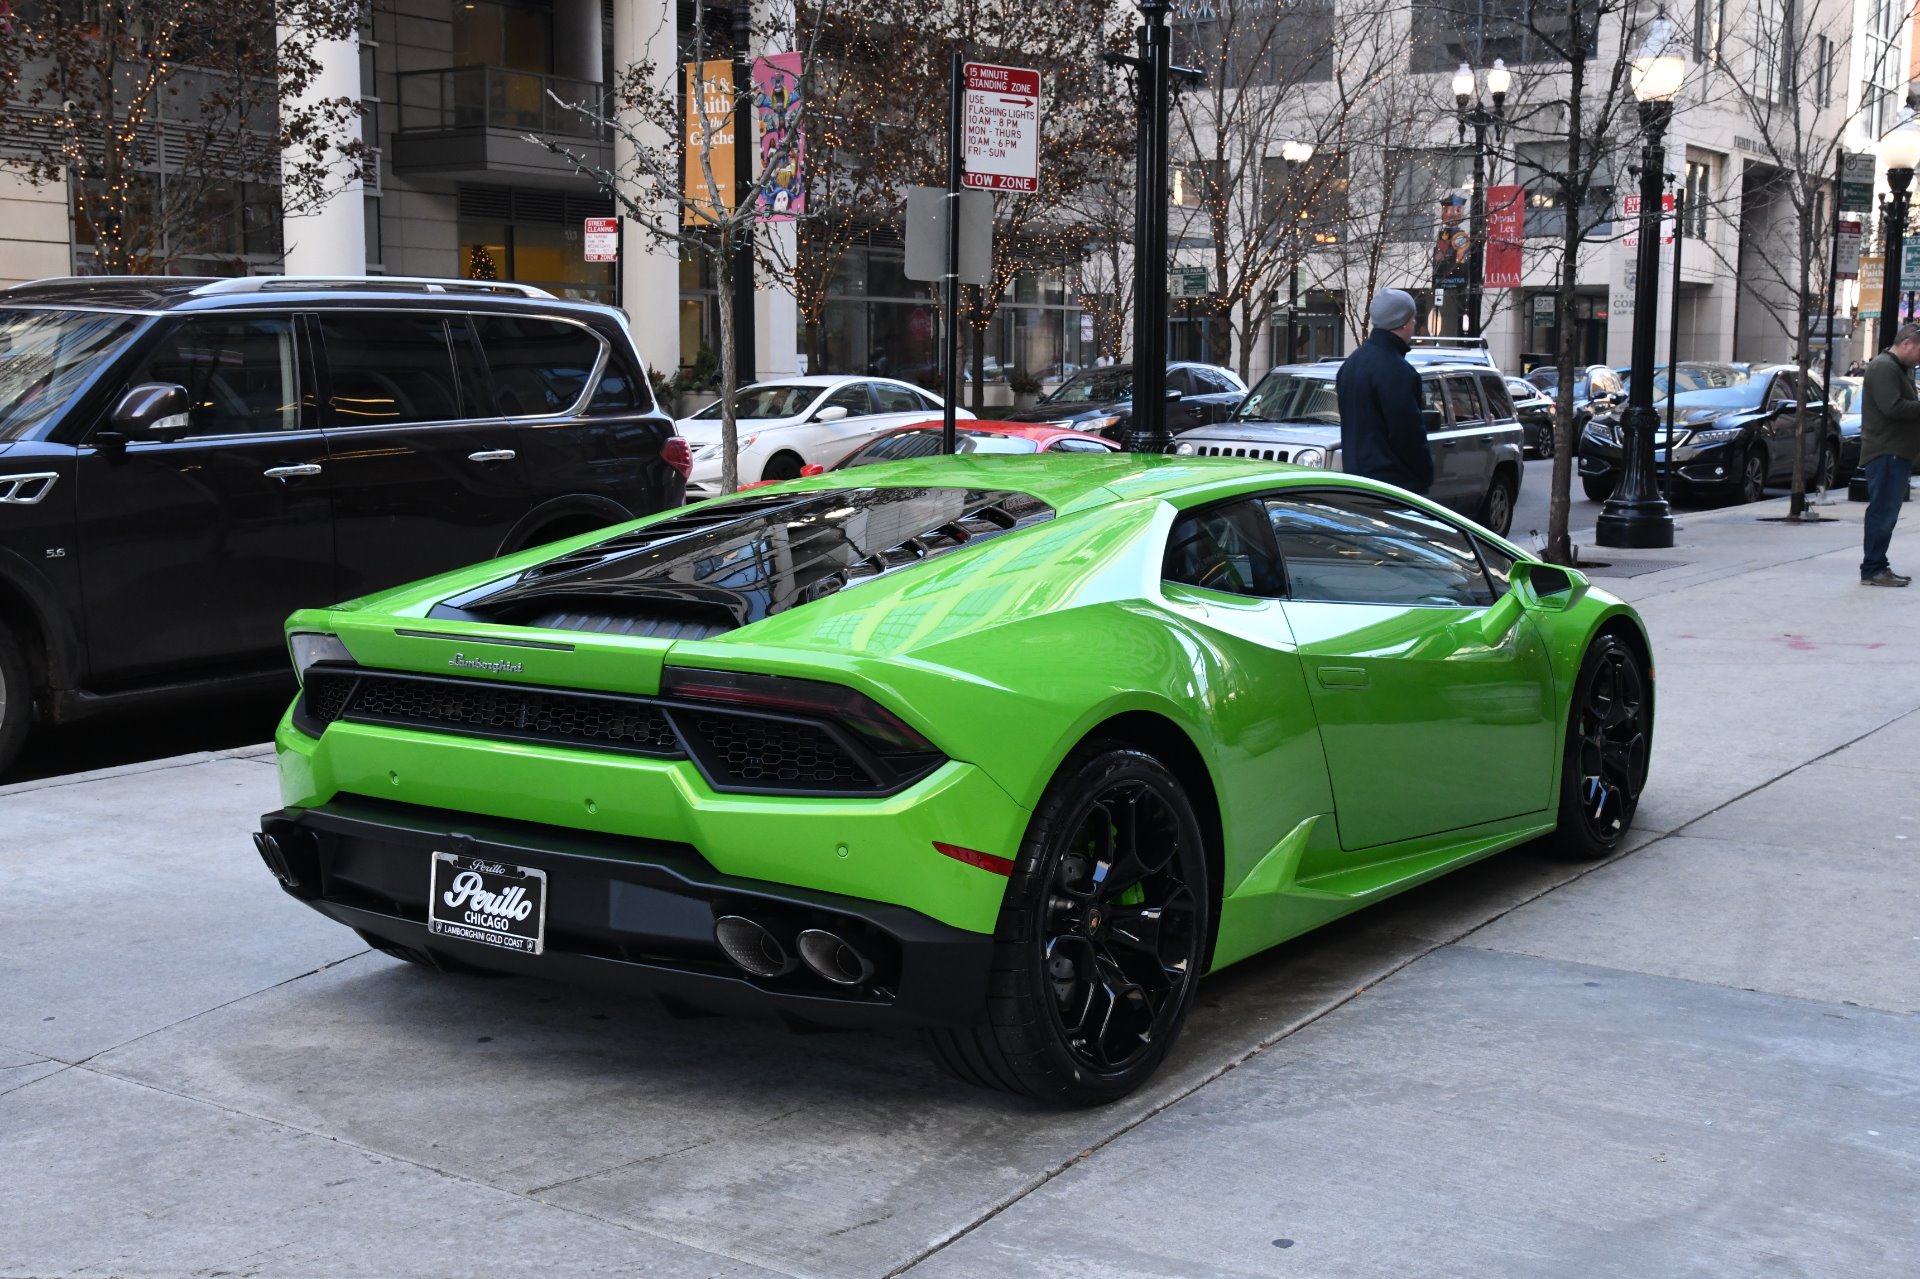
276 858
834 957
751 947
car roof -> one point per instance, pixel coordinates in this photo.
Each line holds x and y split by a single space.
155 294
826 379
1041 432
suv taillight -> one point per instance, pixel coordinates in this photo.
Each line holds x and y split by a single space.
676 454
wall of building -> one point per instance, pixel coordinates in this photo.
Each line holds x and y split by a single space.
36 235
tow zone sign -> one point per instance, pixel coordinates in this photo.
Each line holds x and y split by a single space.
1000 129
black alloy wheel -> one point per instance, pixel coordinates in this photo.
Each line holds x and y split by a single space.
1099 943
1543 440
1825 472
1605 767
1496 511
1752 485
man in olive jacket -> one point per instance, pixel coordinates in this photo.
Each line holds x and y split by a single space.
1889 443
1381 434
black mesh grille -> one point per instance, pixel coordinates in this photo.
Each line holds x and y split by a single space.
773 754
600 721
326 695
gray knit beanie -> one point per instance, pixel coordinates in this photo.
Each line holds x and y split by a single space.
1391 308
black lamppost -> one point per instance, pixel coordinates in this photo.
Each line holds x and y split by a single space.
1636 515
1899 151
1473 114
1146 430
1295 154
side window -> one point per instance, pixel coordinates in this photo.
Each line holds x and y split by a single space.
1782 389
1211 383
1498 563
621 388
239 371
1356 548
1184 381
1499 403
851 397
1225 548
895 399
540 367
1432 399
1465 396
388 368
1070 445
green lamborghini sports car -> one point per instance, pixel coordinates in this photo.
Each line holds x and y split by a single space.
1005 749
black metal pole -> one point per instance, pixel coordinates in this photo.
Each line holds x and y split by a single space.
1477 226
950 284
743 318
1293 302
1146 430
1636 515
1898 180
1833 270
1673 328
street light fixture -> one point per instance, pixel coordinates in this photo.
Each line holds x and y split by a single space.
1473 113
1295 154
1636 515
1900 151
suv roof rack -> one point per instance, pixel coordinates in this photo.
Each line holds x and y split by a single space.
265 283
1449 342
112 282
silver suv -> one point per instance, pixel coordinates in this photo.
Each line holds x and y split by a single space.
1293 416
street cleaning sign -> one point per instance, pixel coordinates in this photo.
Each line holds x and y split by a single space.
1000 129
601 240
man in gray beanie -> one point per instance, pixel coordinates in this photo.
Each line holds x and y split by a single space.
1381 434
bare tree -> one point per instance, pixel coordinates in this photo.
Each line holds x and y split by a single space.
157 113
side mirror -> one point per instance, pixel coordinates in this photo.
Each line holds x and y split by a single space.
152 410
1173 395
1431 419
1787 406
1546 588
832 413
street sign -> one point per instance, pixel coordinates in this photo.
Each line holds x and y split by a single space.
1846 254
1000 129
1630 209
927 235
1187 282
1856 181
602 240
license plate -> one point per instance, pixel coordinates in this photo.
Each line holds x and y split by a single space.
490 903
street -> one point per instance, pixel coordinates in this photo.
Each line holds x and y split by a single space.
1697 1058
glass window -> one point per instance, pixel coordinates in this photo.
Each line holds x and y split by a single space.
540 367
1356 548
1465 399
763 403
46 355
239 372
388 368
1067 444
621 388
896 399
1224 548
1281 396
1433 405
1494 392
853 398
1498 563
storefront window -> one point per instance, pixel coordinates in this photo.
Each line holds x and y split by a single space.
544 254
488 34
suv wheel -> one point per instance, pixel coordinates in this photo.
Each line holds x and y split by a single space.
16 697
1496 512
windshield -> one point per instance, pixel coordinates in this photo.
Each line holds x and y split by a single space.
759 402
926 443
1695 377
1291 397
1095 387
1722 387
1846 391
46 355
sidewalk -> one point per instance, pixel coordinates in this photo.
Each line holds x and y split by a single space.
1699 1058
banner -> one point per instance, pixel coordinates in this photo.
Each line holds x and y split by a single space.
1450 248
1506 229
709 141
781 192
1872 279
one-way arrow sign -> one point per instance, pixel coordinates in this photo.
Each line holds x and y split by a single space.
1000 131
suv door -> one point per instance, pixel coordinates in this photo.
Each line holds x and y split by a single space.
194 549
1447 488
1464 450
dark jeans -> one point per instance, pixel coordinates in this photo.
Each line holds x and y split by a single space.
1887 478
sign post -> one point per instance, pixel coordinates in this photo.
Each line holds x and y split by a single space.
950 286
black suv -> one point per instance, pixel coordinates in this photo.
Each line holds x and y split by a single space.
183 462
1100 400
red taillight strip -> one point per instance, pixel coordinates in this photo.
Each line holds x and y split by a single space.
974 857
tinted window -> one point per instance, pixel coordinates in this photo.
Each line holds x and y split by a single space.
1431 398
926 443
757 403
1185 381
1498 563
1465 397
851 397
388 368
239 372
621 388
1494 391
1355 548
1224 548
896 399
1291 397
1095 387
540 367
1067 444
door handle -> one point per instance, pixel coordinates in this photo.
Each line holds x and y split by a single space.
292 472
1343 677
491 455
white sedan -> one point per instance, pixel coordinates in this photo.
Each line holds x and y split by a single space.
787 424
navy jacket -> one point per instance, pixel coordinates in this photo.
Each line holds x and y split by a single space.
1381 434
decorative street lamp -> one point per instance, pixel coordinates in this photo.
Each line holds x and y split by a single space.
1473 114
1636 515
1899 150
1295 154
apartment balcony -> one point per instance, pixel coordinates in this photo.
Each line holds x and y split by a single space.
473 122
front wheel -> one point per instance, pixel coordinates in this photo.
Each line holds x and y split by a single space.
1752 485
1543 441
1100 938
782 466
1597 489
16 698
1826 472
1496 512
1605 767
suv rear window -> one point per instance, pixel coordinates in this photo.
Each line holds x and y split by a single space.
389 368
540 367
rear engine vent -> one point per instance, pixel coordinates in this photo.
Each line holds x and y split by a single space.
504 711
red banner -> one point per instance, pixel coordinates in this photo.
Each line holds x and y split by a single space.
1506 228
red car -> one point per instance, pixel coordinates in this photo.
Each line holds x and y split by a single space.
922 439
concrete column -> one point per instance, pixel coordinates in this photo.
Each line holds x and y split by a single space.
332 239
577 40
776 315
649 273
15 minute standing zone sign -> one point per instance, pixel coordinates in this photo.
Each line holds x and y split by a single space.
1000 130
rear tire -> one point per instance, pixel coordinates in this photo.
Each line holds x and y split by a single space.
1597 490
1543 441
1752 484
1604 767
1826 472
16 698
1100 938
1496 511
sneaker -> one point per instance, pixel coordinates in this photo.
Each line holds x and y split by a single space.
1885 577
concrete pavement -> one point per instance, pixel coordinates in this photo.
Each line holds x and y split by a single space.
1700 1058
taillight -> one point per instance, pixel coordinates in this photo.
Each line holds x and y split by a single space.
676 454
812 468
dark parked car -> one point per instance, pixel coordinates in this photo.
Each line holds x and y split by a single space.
184 462
1293 415
1534 407
1846 403
1101 400
1731 436
1596 389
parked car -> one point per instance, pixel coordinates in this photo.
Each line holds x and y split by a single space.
1846 404
1730 437
1449 350
183 462
1008 757
1292 415
1596 389
788 424
1535 409
1101 400
977 438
